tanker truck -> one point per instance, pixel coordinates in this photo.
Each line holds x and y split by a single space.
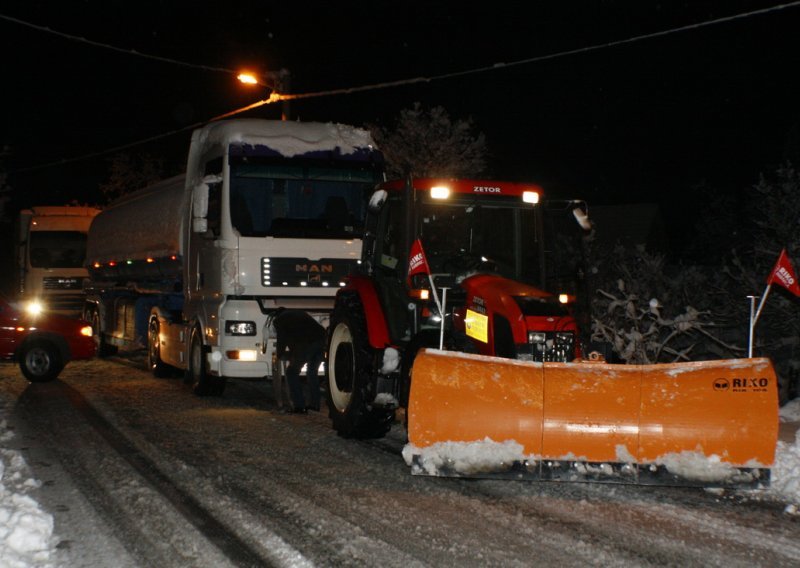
51 249
268 215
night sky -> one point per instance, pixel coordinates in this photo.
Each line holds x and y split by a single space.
650 120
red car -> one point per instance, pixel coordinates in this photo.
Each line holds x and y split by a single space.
42 343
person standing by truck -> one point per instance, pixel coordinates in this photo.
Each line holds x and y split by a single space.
305 339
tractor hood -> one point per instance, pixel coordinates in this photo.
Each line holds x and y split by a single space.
511 319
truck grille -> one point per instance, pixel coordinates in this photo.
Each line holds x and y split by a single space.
62 283
280 272
67 304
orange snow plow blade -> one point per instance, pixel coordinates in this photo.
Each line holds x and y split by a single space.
709 423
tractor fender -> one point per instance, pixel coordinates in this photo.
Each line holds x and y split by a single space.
364 288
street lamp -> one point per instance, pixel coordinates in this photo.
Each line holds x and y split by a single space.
276 81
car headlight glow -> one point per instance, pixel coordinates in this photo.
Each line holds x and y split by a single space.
34 307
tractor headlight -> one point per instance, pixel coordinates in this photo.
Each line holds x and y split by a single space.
536 337
233 327
564 337
440 192
86 331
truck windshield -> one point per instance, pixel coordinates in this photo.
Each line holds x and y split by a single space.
463 238
57 249
301 199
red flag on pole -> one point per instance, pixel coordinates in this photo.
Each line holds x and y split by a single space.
784 274
417 263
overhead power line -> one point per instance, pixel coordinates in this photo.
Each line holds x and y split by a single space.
277 97
113 47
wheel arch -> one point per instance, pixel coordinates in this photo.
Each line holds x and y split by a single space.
54 338
375 319
159 313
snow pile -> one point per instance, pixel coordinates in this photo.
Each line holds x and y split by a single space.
470 458
697 466
391 361
377 199
26 532
464 458
786 472
790 412
287 138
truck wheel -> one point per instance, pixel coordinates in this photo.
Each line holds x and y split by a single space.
40 361
202 383
157 366
351 376
102 348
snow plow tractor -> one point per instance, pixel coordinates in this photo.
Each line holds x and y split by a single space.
446 319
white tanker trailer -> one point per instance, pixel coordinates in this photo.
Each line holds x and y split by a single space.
269 214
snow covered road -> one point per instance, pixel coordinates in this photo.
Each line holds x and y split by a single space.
136 471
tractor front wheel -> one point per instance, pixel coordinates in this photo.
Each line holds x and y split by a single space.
352 375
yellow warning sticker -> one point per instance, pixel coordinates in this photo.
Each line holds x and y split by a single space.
477 326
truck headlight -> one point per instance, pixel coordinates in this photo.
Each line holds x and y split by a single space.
233 327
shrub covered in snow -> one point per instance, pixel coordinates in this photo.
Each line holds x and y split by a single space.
646 312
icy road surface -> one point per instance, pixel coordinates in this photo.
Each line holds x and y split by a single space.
136 471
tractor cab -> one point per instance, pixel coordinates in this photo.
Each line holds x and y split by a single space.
483 244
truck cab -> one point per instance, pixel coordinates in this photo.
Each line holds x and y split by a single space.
268 215
51 250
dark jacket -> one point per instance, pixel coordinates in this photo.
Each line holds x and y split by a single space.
300 333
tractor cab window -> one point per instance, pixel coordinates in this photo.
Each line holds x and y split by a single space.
460 239
390 253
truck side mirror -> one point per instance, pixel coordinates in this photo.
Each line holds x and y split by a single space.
200 203
199 225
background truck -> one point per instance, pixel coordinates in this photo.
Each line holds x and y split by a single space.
51 250
269 214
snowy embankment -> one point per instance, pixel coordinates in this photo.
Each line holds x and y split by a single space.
786 471
26 531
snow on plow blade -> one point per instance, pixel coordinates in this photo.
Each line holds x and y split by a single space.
709 423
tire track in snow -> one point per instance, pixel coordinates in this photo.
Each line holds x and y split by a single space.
227 541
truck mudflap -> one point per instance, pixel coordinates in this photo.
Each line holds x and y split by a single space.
708 423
